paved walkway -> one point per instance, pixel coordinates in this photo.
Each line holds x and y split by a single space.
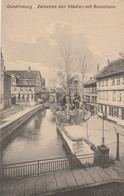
11 111
58 182
95 128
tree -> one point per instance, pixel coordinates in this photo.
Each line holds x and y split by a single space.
64 70
84 66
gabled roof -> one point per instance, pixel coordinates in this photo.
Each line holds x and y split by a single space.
32 74
26 83
90 82
73 78
25 78
112 68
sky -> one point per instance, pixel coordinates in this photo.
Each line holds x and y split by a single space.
31 37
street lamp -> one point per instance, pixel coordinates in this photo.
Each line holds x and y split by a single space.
103 138
117 150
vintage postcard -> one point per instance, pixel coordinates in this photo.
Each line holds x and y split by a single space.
62 98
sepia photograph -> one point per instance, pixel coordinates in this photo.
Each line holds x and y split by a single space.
62 98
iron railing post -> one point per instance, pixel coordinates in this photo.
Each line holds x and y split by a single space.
38 167
46 165
117 153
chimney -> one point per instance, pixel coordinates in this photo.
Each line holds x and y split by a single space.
29 68
97 68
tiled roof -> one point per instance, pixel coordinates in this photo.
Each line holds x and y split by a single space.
90 82
24 74
26 83
73 78
113 68
25 78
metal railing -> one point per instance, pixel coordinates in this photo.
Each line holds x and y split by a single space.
47 165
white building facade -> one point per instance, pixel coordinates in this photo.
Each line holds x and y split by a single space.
27 85
110 92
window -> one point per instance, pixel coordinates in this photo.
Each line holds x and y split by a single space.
107 95
76 82
15 89
119 98
100 108
113 80
120 113
30 89
21 88
102 83
118 80
123 79
99 95
106 82
103 95
115 111
110 110
114 96
95 90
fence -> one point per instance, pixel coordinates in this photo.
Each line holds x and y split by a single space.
47 165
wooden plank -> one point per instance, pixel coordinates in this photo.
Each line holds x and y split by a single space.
103 174
40 184
50 183
70 179
78 177
60 180
88 179
94 174
29 186
19 188
8 188
112 174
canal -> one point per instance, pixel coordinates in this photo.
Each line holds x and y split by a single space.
36 140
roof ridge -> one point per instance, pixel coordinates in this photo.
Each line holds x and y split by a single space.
114 67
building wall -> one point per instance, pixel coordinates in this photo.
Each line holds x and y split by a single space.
1 83
74 89
5 87
27 93
90 97
111 97
7 91
23 93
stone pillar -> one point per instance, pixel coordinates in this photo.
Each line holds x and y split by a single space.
103 155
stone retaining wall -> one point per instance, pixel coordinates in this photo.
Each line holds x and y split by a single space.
17 120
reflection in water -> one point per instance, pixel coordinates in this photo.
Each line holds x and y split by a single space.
38 139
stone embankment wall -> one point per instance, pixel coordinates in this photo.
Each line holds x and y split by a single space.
14 121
